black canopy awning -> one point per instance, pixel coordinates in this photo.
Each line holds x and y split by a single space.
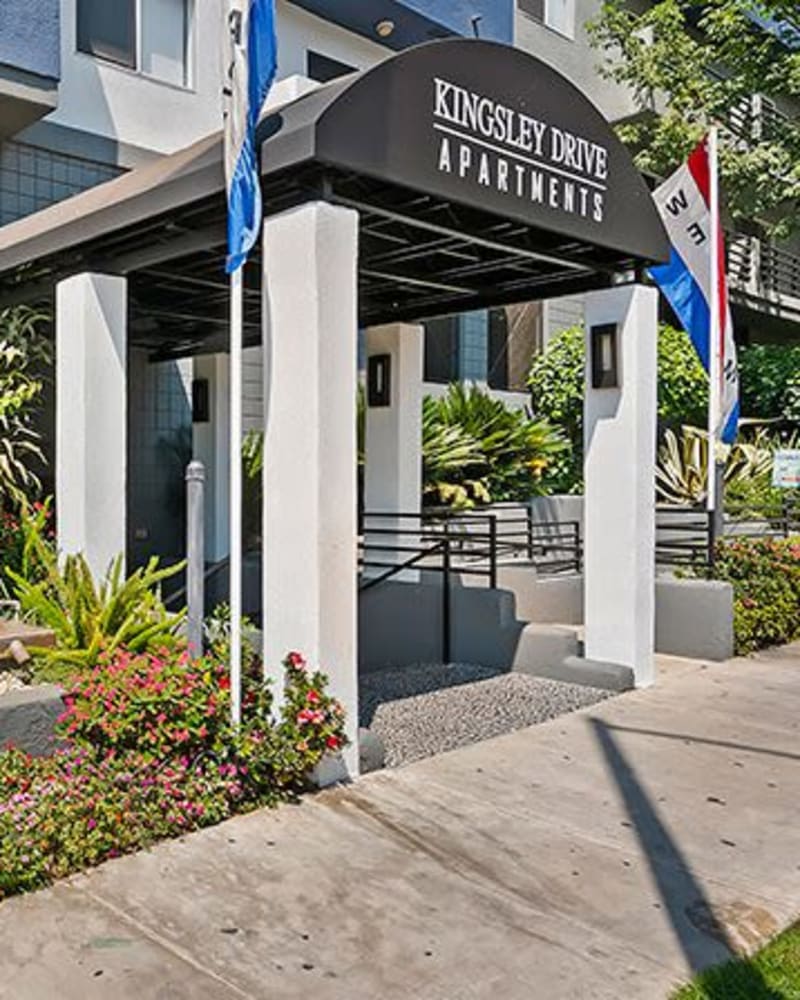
481 176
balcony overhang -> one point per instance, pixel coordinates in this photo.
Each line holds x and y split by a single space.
24 98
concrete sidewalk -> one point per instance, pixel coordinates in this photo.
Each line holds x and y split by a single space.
604 855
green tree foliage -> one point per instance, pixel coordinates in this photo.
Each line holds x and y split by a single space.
682 380
770 382
690 65
24 353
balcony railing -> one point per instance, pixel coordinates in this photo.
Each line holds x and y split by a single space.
762 270
757 119
779 270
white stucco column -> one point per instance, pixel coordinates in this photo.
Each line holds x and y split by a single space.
619 470
211 446
91 417
309 564
393 446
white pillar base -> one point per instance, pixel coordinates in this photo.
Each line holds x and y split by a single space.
309 563
91 417
619 469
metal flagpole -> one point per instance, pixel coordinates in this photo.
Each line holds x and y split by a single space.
235 515
715 326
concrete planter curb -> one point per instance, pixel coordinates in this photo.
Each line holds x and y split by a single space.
28 718
588 673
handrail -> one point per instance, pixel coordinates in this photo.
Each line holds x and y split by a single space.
209 574
396 568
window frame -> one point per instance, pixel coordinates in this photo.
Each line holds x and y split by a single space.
189 42
546 22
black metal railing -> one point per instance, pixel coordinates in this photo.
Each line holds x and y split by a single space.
762 268
451 543
779 270
687 536
475 538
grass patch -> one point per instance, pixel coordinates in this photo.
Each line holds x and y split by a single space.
771 974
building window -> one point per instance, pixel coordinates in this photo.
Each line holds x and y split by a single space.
107 29
322 68
556 14
151 36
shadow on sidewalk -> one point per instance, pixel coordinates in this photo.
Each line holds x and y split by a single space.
688 737
702 937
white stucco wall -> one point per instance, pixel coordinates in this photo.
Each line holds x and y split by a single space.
124 105
558 314
575 58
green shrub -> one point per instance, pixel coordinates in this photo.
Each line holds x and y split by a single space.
14 529
88 618
765 574
682 380
769 376
152 754
557 380
475 449
217 637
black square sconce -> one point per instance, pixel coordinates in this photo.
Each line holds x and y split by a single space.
605 358
201 408
379 380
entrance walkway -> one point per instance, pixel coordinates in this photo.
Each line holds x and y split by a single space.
603 855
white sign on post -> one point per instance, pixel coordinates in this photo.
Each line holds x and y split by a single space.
786 469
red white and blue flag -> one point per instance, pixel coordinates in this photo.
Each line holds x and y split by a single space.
694 282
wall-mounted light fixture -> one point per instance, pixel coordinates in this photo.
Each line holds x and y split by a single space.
379 380
384 28
605 356
201 409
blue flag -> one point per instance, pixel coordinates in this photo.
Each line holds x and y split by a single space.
252 60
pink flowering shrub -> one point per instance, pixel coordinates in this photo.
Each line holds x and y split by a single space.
158 704
151 754
765 575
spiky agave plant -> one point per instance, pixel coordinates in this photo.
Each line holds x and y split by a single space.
682 468
90 617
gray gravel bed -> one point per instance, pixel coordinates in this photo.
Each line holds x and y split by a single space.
468 704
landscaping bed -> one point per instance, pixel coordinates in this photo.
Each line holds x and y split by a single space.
149 752
765 575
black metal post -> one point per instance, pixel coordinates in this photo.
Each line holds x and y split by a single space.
716 522
493 551
446 594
